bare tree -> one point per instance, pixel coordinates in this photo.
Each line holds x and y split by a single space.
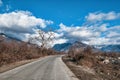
30 39
45 38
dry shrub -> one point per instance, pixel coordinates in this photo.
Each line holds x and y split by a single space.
88 58
82 56
12 51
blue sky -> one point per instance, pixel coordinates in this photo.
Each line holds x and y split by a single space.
85 17
66 11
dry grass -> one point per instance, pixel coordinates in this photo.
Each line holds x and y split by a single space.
15 51
87 58
80 71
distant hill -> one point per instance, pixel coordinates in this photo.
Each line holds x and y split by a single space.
66 46
77 44
62 47
109 48
8 38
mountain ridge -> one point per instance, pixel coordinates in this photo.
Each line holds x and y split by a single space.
7 37
78 44
66 46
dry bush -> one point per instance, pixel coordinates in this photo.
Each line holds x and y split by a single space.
12 51
82 56
88 58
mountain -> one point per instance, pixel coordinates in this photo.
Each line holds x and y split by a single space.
66 46
62 47
109 48
8 40
77 44
7 37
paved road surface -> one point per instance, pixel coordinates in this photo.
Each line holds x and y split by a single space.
48 68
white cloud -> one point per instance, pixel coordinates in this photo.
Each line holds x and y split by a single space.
102 16
21 21
78 32
103 27
81 33
98 41
59 38
94 35
21 24
59 41
113 34
58 35
115 28
1 2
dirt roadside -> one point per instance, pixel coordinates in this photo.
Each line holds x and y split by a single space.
81 72
85 73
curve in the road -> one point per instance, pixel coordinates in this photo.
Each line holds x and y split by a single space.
48 68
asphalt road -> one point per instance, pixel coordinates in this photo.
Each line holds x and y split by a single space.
48 68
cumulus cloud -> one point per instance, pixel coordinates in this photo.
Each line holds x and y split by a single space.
78 32
59 38
102 16
98 33
113 34
115 28
110 35
21 21
98 41
21 24
59 41
93 35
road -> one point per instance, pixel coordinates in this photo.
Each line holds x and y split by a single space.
48 68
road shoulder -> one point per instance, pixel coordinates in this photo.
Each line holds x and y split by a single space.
10 66
68 71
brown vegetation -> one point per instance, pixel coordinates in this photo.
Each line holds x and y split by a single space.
12 51
105 65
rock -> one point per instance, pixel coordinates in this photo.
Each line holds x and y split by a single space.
106 61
